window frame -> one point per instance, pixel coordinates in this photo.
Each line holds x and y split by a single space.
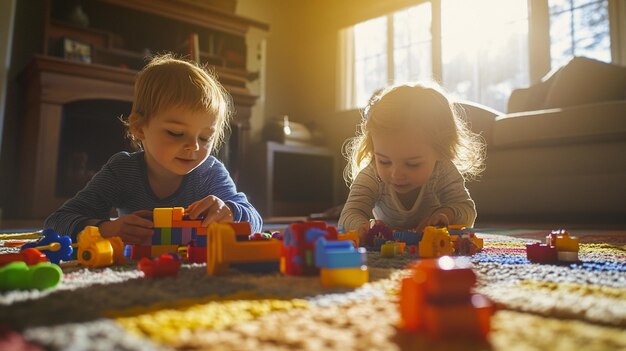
539 60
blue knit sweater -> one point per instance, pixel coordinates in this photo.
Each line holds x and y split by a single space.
122 183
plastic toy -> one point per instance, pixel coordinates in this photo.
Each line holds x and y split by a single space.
340 263
378 234
436 242
166 265
96 251
223 249
21 276
351 235
432 242
29 256
55 253
388 249
298 246
436 300
559 247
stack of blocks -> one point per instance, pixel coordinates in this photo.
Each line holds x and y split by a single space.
559 247
340 263
172 230
311 248
297 252
436 299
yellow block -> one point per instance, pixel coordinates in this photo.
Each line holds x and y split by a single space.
388 249
162 217
344 277
566 243
436 242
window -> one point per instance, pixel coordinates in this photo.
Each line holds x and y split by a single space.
483 59
579 28
394 48
412 44
480 50
370 61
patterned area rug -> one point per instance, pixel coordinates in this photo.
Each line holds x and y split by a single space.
539 307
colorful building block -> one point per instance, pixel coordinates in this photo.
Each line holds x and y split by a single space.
436 242
352 277
166 265
351 235
298 246
338 254
223 249
388 249
541 253
436 300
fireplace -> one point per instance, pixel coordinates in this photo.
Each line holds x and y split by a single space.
71 128
90 134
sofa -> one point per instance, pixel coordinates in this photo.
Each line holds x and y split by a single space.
559 153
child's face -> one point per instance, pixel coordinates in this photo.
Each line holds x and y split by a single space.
404 159
177 140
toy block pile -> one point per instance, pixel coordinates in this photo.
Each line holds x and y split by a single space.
431 242
173 229
297 252
559 247
311 248
436 300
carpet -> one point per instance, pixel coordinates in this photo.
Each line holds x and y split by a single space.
539 307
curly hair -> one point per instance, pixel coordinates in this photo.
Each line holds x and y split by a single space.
425 106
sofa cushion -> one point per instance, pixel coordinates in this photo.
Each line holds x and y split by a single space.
583 81
584 123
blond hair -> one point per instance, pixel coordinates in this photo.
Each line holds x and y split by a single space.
167 82
421 105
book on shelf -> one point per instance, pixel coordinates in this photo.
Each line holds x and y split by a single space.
194 47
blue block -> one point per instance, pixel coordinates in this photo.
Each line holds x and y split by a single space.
410 238
177 236
156 237
200 240
313 234
338 254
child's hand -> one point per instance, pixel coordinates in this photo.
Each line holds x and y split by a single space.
133 229
212 208
362 230
440 218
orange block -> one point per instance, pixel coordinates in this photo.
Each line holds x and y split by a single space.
178 213
411 301
186 224
445 277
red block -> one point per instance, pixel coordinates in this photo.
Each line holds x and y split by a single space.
541 253
138 252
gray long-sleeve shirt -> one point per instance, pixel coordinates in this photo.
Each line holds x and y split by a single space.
122 183
371 198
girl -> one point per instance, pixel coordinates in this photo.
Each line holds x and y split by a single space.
407 164
179 116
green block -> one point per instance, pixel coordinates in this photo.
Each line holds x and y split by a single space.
166 236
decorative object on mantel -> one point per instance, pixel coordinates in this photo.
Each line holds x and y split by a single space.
78 17
284 131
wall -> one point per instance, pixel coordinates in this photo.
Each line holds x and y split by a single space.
25 41
7 9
